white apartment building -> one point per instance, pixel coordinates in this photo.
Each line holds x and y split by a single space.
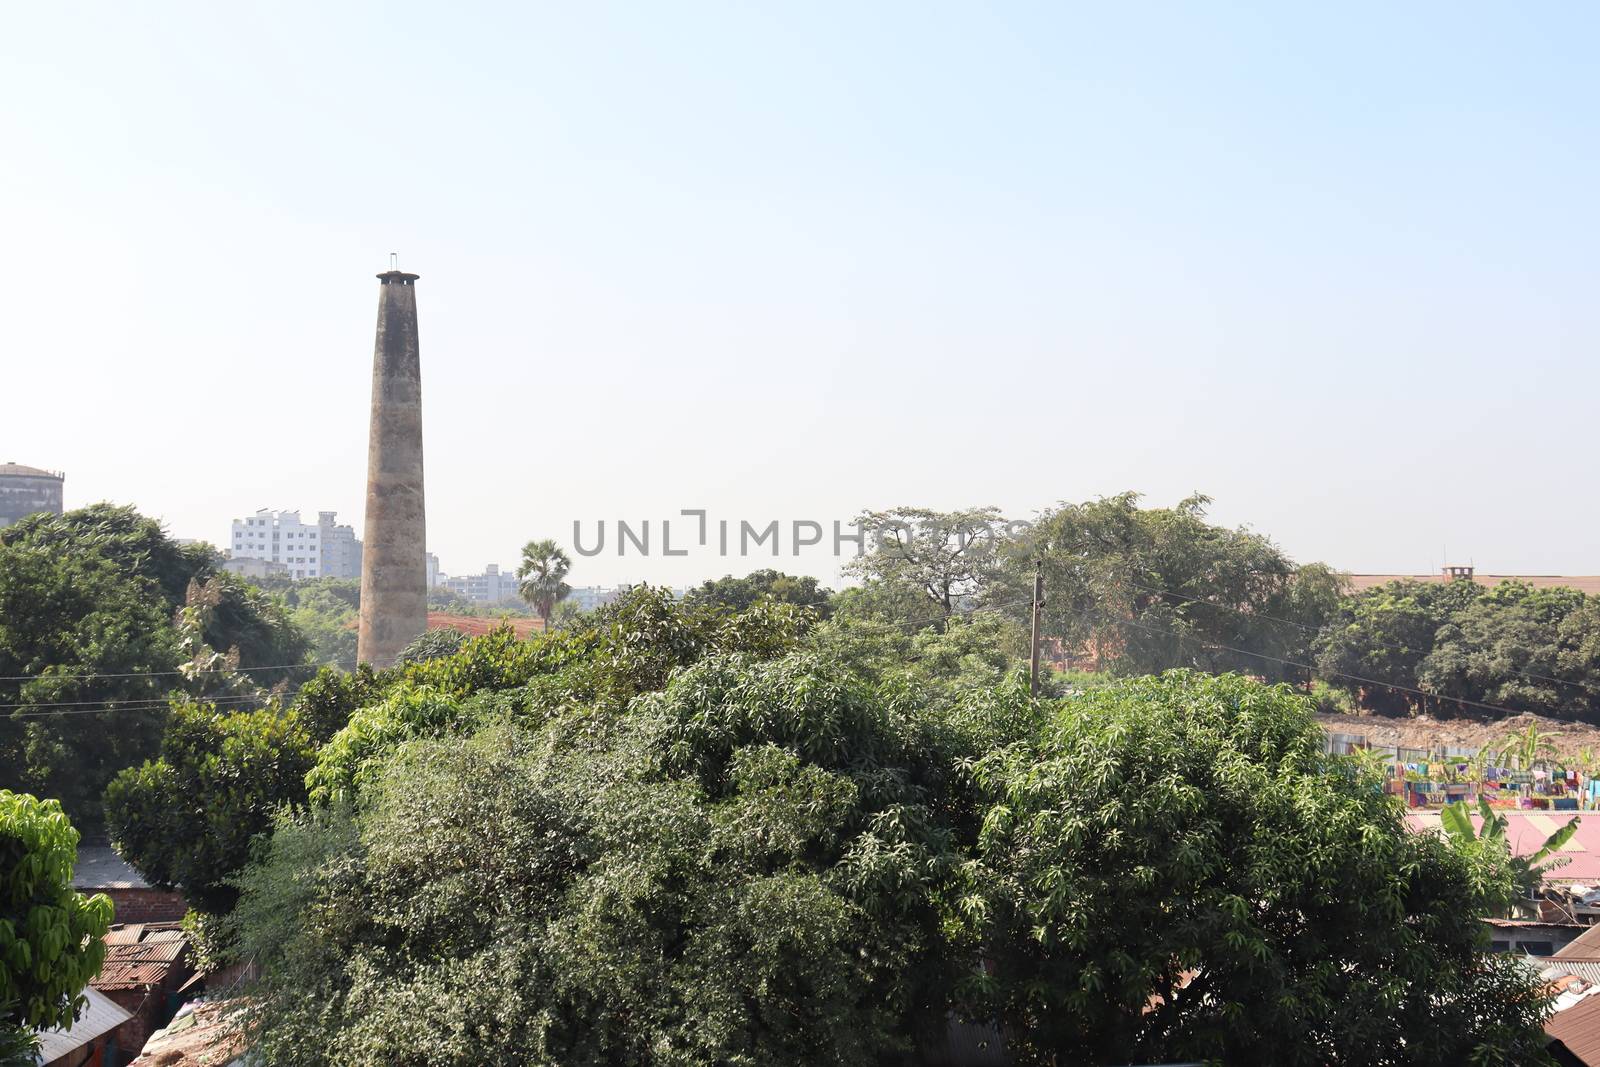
323 550
490 587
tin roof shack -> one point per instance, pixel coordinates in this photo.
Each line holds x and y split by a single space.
101 870
145 965
95 1038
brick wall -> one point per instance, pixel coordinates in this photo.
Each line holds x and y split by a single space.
148 1004
145 905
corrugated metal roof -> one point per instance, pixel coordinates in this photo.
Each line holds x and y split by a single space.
101 1016
1554 967
1586 946
140 954
1578 1029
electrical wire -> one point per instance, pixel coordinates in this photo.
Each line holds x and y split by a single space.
161 674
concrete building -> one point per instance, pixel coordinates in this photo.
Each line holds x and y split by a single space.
341 548
27 491
321 550
433 570
254 569
490 587
394 569
589 597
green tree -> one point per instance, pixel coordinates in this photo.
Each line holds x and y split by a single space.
943 560
325 704
740 594
432 645
1174 870
1528 872
50 936
1384 634
187 820
101 617
1507 648
325 611
737 869
542 575
87 652
1138 590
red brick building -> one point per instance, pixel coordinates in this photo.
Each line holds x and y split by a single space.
101 870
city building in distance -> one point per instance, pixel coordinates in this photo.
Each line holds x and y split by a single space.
324 549
493 586
27 491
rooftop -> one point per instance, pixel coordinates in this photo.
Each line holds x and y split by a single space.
1578 1029
100 1016
16 470
140 955
1527 832
101 868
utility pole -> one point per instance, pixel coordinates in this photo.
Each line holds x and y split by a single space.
1038 607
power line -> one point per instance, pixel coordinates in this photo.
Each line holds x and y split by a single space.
161 674
115 706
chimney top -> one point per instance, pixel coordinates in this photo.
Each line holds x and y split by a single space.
397 276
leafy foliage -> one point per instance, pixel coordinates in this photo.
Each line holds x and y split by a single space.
187 820
50 936
742 869
433 644
542 576
1138 590
1527 872
941 559
100 613
677 837
1461 645
741 594
1183 838
325 610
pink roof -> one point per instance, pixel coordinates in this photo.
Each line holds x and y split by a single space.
1527 831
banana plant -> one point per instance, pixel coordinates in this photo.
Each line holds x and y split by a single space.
1527 872
1528 746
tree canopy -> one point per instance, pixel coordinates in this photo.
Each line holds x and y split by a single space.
741 594
680 836
1172 869
50 935
95 631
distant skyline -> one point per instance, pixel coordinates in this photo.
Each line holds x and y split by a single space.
1330 265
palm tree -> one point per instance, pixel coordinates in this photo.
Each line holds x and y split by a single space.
544 566
1528 872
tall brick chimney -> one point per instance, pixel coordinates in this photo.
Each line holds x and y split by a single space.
394 577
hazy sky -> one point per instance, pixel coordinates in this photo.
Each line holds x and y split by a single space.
1333 266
